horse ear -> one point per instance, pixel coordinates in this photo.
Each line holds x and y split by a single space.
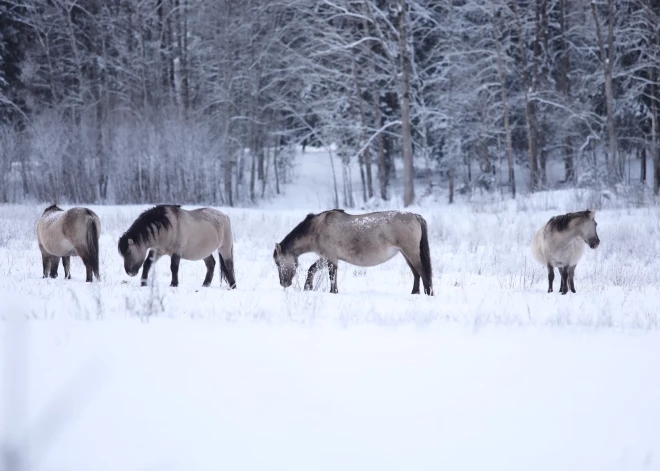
130 242
592 214
278 249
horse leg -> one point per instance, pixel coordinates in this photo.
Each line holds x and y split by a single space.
551 277
54 264
210 267
226 258
174 267
45 260
415 262
563 271
333 277
66 263
571 277
316 266
152 257
416 276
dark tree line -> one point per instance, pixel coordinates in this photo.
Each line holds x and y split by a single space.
204 101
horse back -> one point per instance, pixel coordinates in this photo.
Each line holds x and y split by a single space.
376 235
202 231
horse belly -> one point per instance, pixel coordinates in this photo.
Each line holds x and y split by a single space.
200 249
372 258
60 248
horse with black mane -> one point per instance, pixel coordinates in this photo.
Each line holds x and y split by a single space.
560 243
191 235
364 240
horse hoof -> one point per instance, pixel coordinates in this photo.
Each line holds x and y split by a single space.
174 285
206 285
550 290
143 283
573 291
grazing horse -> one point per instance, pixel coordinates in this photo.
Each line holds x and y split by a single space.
191 235
66 234
364 240
560 243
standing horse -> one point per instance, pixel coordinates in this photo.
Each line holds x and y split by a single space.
191 235
560 243
66 234
364 240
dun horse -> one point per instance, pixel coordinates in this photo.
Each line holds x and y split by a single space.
560 243
66 234
364 240
191 235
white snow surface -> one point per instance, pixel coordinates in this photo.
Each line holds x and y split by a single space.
491 373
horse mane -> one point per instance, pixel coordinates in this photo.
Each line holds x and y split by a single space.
303 228
298 231
560 223
147 225
52 207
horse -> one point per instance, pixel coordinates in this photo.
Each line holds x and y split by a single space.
364 240
560 243
179 233
65 234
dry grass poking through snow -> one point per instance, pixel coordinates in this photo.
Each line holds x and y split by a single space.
483 272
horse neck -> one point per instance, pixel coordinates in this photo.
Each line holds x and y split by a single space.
299 246
568 235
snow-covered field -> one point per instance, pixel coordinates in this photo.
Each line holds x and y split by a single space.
491 373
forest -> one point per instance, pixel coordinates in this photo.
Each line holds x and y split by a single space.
206 101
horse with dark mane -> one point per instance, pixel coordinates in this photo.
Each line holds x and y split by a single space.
191 235
65 234
560 243
364 240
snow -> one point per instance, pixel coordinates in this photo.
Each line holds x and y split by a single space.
491 373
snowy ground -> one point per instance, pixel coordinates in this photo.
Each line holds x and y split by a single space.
491 373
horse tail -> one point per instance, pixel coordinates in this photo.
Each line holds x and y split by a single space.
93 244
425 254
227 269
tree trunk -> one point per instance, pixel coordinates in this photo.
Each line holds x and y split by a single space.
366 154
642 167
347 181
253 174
408 169
542 35
451 183
654 141
507 127
183 55
530 107
275 169
334 177
382 167
565 87
607 59
228 182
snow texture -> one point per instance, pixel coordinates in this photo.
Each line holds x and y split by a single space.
491 373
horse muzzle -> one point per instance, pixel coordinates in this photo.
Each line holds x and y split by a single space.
132 273
594 243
